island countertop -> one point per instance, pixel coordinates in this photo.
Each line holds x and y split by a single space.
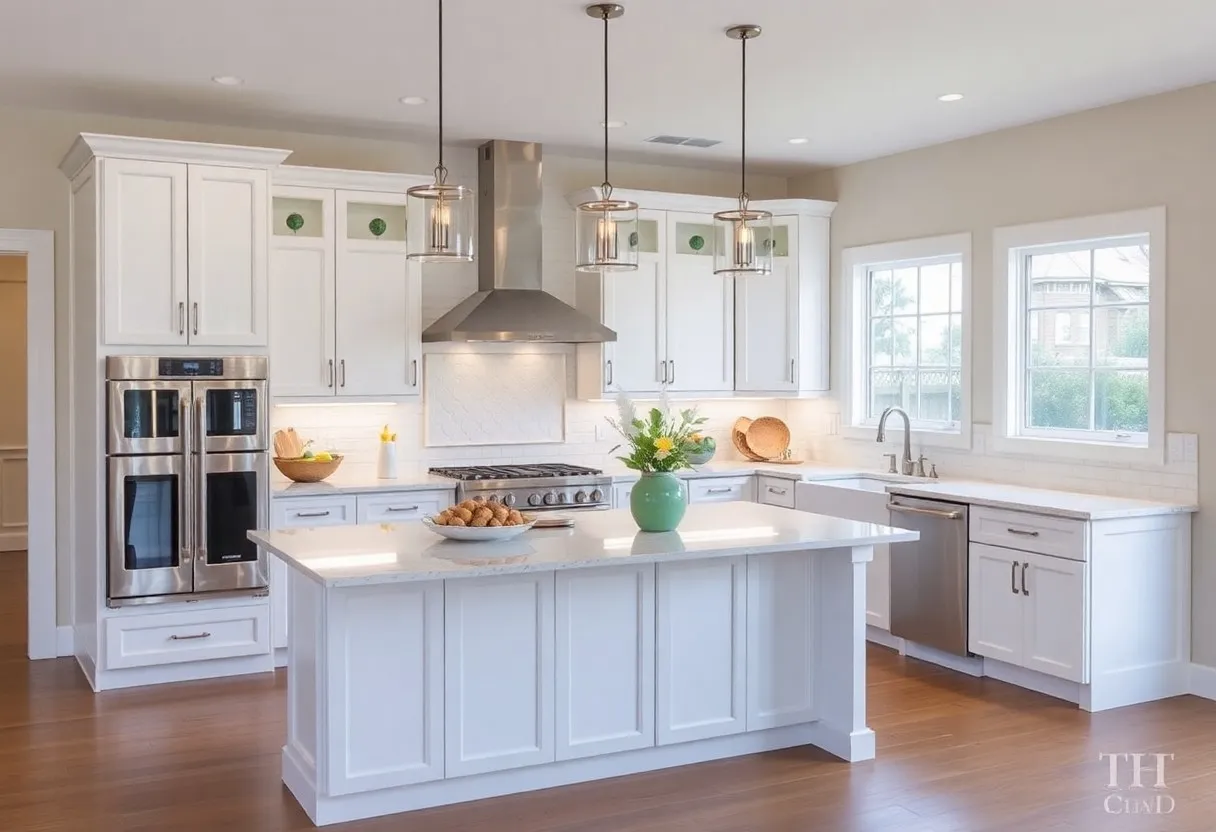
378 554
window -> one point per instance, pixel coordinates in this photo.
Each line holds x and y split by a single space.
907 336
1083 314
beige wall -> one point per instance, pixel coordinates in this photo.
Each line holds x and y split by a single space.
1153 151
13 470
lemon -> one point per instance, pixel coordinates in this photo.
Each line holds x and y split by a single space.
324 456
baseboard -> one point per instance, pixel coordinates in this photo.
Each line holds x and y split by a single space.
884 638
65 641
971 665
1203 681
14 541
1033 680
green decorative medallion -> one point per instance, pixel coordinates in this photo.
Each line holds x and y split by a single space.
633 239
696 242
657 502
295 222
377 226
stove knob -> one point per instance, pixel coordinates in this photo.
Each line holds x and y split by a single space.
550 498
597 496
561 497
508 500
493 498
534 499
580 496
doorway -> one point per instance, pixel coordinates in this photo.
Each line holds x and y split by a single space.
14 456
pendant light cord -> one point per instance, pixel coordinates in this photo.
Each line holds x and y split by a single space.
441 172
607 187
743 198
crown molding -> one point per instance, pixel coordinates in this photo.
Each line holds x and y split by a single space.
91 145
300 176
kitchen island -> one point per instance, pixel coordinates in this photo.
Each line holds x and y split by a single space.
424 672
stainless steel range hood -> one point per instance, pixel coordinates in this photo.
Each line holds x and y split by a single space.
510 304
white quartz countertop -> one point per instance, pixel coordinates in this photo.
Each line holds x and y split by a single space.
1038 500
376 554
353 479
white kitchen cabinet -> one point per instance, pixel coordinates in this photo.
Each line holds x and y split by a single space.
187 635
620 494
392 640
780 640
143 251
1054 598
401 506
499 665
605 660
228 230
775 491
700 310
721 489
996 613
700 664
634 307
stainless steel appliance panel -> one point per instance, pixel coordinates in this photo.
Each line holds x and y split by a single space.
150 545
231 497
234 415
145 417
929 576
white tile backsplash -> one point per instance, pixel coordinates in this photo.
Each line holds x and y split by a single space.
476 398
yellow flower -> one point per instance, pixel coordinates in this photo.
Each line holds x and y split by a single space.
664 443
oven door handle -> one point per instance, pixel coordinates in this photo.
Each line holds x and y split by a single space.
200 545
185 491
926 512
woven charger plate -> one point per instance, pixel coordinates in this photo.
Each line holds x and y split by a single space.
738 436
768 436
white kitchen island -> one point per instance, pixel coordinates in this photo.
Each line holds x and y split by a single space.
424 672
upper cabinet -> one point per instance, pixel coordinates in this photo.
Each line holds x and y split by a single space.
681 327
346 303
181 238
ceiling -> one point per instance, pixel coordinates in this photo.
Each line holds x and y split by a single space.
859 79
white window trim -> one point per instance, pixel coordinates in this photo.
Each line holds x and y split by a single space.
854 264
1005 356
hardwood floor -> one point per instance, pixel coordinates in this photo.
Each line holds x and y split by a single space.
955 754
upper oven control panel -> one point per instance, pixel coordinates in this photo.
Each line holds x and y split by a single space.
190 367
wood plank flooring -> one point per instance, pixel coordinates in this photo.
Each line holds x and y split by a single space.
955 754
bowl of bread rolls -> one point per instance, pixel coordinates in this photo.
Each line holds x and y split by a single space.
479 520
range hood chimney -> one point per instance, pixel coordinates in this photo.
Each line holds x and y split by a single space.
510 304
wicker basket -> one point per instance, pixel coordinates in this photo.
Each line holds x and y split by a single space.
738 436
768 437
306 470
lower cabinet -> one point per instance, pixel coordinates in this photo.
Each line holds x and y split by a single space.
189 635
393 641
701 668
721 489
780 640
499 670
1028 609
605 662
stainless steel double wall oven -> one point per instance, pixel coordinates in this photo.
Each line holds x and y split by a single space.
188 474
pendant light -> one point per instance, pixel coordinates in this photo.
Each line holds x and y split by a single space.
743 236
605 229
447 210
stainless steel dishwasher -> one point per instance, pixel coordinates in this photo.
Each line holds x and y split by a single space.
929 576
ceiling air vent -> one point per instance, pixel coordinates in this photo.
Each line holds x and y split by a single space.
686 141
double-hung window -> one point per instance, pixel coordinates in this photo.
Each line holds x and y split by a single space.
1082 308
908 344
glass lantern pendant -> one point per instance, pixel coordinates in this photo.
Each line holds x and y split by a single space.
604 231
743 236
447 210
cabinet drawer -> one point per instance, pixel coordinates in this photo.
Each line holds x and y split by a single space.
775 491
1058 536
306 512
402 506
188 636
721 489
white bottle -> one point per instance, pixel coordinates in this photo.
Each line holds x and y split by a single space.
386 463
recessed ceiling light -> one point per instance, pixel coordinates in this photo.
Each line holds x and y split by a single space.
412 100
799 140
612 125
951 96
227 80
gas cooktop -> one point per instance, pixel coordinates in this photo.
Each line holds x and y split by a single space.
514 472
541 486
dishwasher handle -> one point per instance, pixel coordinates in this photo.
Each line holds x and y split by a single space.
926 512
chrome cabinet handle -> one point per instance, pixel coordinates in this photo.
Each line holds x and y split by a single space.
791 369
945 515
181 317
718 490
203 634
195 311
313 513
1022 532
772 490
663 366
200 545
1013 578
1025 591
342 373
331 372
414 373
672 380
401 508
608 367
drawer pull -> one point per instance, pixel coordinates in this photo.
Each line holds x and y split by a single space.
1024 590
719 490
190 637
1022 532
1013 578
402 508
772 490
324 513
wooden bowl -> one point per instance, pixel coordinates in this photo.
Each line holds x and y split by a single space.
306 470
738 437
768 436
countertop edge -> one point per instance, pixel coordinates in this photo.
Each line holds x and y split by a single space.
943 493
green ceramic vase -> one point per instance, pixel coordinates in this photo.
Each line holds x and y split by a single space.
657 502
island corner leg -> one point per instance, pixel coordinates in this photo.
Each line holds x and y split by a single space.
840 665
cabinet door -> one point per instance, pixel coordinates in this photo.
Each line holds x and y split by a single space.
700 310
721 489
378 299
302 293
994 603
143 249
633 305
700 667
781 645
605 660
766 318
1055 617
620 494
229 277
499 672
878 588
384 687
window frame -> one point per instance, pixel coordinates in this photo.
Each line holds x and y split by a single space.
856 264
1012 247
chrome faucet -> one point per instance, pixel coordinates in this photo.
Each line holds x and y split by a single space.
908 466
